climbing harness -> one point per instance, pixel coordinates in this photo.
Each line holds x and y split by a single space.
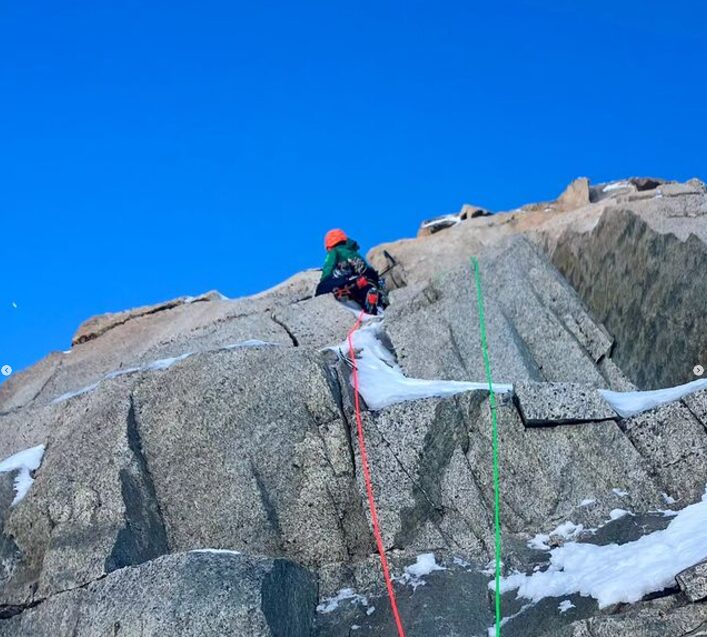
494 426
367 479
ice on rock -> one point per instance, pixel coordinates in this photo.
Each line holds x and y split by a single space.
630 403
382 382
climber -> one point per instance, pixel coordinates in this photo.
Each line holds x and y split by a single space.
347 274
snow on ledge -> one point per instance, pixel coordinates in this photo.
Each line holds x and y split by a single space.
330 604
617 185
619 573
414 573
382 382
165 363
630 403
216 551
24 462
158 365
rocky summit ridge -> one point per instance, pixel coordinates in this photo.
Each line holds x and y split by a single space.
200 472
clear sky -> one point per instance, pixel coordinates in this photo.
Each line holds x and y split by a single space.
154 149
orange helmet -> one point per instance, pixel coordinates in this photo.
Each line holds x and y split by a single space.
333 238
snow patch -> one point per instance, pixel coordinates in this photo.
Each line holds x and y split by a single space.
668 499
424 565
505 620
588 502
565 605
617 514
630 403
121 372
24 462
165 363
445 220
619 493
216 551
619 573
565 531
330 604
253 342
382 382
490 568
78 392
617 185
158 365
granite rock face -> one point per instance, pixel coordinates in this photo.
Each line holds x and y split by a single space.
248 450
538 330
434 480
576 195
674 442
198 594
181 433
92 508
693 582
560 404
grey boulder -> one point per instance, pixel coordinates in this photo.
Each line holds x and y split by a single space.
196 594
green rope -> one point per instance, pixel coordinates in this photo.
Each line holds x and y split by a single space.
494 425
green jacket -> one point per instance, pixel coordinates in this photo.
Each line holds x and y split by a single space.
338 254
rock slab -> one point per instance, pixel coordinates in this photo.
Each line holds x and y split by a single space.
195 594
693 582
546 404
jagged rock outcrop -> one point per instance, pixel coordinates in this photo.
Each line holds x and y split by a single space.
442 222
635 258
180 433
97 325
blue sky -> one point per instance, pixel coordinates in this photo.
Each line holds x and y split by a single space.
154 149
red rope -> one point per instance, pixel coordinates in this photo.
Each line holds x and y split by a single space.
369 486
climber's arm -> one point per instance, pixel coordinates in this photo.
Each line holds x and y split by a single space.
329 264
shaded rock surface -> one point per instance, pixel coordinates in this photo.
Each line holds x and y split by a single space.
193 594
663 618
646 287
453 602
